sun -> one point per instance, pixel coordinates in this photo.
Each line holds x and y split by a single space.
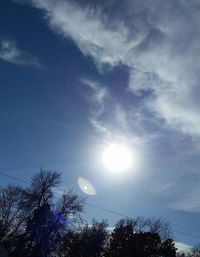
117 158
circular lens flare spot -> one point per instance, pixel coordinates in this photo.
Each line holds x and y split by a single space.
117 158
86 186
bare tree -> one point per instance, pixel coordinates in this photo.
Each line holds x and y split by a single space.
69 204
12 217
47 217
153 225
40 191
160 226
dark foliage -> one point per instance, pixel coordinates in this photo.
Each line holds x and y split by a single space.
12 216
125 241
32 222
87 240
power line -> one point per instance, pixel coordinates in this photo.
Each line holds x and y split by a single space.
186 234
110 211
15 178
102 208
128 217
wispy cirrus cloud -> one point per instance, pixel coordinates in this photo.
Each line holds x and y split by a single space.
114 121
97 96
158 42
9 52
159 45
99 93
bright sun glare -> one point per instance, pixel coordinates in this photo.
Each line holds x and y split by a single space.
117 158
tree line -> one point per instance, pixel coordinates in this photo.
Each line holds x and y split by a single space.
36 222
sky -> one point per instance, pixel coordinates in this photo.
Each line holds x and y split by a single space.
77 76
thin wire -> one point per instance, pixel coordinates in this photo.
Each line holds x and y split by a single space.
102 208
110 211
186 234
15 178
123 215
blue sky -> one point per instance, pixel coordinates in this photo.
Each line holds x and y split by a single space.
77 75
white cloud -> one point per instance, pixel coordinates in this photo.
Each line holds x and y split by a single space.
182 247
10 53
97 97
87 28
109 117
99 93
161 48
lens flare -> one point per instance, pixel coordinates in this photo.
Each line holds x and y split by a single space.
86 186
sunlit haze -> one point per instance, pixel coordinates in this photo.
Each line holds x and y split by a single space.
117 158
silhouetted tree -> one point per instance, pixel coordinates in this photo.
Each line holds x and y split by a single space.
43 232
40 191
87 241
47 219
167 248
126 241
35 223
160 226
154 225
12 216
121 243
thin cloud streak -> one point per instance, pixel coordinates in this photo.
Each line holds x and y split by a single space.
99 93
10 53
108 117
